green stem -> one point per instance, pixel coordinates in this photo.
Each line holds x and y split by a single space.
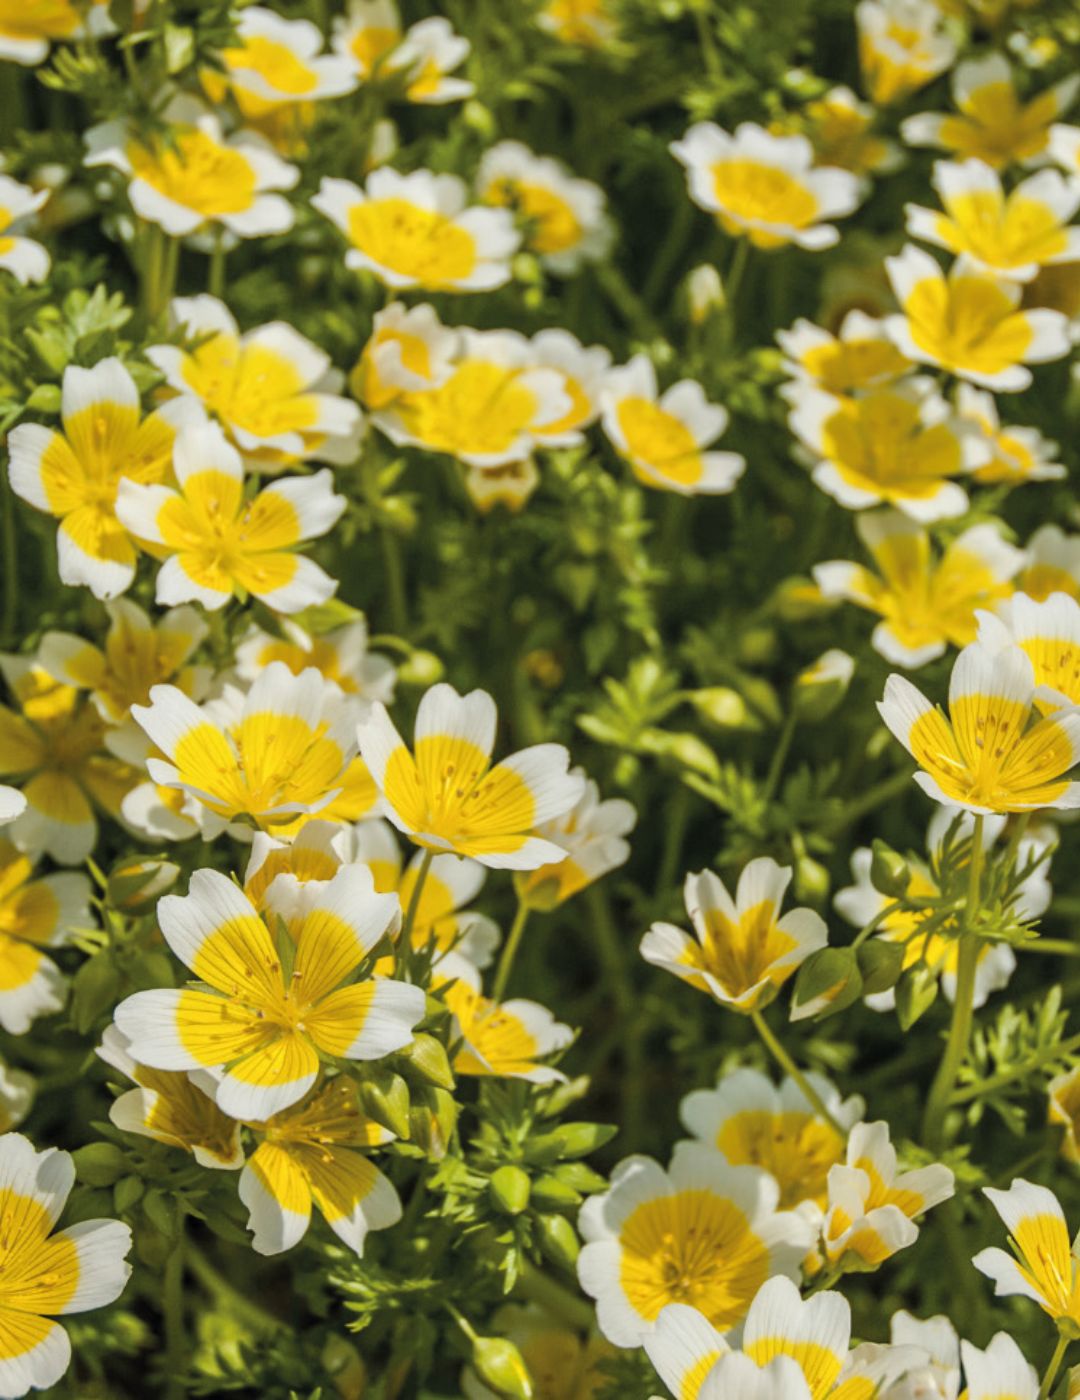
678 818
828 1278
404 948
257 1319
554 1298
788 1065
1060 947
509 952
956 1047
172 1302
733 281
395 578
10 545
1054 1367
617 979
639 319
215 279
779 758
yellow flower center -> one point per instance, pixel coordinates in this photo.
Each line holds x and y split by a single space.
553 225
751 192
196 173
250 387
420 244
659 440
274 62
797 1149
483 408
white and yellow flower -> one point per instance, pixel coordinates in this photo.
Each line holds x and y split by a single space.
1019 454
48 1275
35 914
563 218
428 54
563 1365
765 187
934 1347
75 474
417 230
218 544
971 322
703 1233
499 1040
858 357
592 833
283 751
1064 147
257 1026
312 1154
137 654
841 129
26 260
872 1206
898 444
409 351
167 1106
754 1123
985 757
992 123
342 656
589 23
1047 631
276 69
925 603
1052 564
273 392
367 35
1001 1372
1044 1266
27 31
490 410
744 950
902 46
1011 235
55 747
584 371
445 796
665 437
17 1092
198 176
1063 1110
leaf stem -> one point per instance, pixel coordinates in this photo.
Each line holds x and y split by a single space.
404 947
788 1065
509 951
1054 1367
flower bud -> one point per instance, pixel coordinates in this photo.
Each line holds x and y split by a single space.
426 1057
704 292
564 1096
432 1116
724 707
136 883
916 992
569 1140
384 1096
499 1364
812 881
890 873
798 599
881 963
509 1189
99 1163
558 1240
551 1193
421 668
828 981
821 687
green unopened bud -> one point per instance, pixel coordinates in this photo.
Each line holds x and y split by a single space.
820 688
99 1163
724 707
757 645
384 1096
341 1360
432 1116
558 1241
828 981
581 1177
136 883
421 668
499 1364
812 880
127 1192
46 398
686 749
509 1189
763 697
549 1192
916 992
569 1140
889 872
426 1057
881 962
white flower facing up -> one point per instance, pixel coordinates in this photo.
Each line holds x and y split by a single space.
201 177
666 437
764 187
418 230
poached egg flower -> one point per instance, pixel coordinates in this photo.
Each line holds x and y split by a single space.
744 950
75 474
258 1026
446 796
971 322
417 230
1045 1267
26 260
763 187
665 437
200 176
902 46
985 757
216 543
